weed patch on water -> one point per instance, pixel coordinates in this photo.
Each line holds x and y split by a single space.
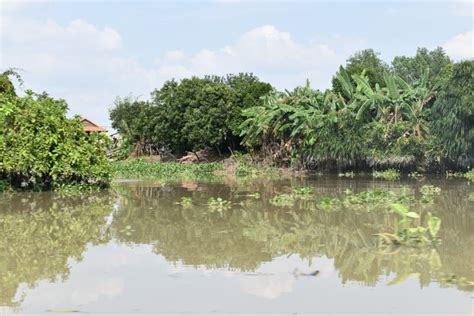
186 202
471 196
302 192
255 195
389 174
428 192
375 199
218 204
327 203
468 175
283 200
350 174
164 170
415 175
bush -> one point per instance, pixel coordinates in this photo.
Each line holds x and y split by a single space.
40 148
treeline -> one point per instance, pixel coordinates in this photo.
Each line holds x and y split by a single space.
416 112
42 149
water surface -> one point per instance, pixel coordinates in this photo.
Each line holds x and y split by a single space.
134 249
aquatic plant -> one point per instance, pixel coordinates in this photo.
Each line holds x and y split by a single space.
430 190
302 192
139 168
255 195
389 174
218 204
327 203
185 202
469 175
471 196
350 174
283 200
373 199
415 175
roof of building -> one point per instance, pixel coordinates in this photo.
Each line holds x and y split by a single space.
90 126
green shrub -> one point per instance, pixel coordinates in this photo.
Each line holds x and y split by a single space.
40 148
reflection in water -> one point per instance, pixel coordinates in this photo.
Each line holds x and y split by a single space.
43 235
40 232
254 231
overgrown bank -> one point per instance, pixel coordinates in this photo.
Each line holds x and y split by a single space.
239 167
415 114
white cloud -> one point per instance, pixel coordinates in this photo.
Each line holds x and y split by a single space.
86 65
77 35
276 278
461 46
266 51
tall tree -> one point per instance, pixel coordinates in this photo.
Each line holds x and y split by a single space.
368 61
411 69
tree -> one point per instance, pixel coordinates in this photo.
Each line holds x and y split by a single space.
247 92
453 121
368 61
190 114
411 69
6 85
131 118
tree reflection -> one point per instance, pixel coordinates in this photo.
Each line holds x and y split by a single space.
254 231
41 232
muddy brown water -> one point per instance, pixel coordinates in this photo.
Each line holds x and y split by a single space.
134 249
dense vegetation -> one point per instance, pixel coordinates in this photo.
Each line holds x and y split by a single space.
416 113
42 149
192 114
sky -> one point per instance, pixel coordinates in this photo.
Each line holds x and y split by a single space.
91 52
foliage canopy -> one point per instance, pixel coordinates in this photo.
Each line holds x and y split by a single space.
41 148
